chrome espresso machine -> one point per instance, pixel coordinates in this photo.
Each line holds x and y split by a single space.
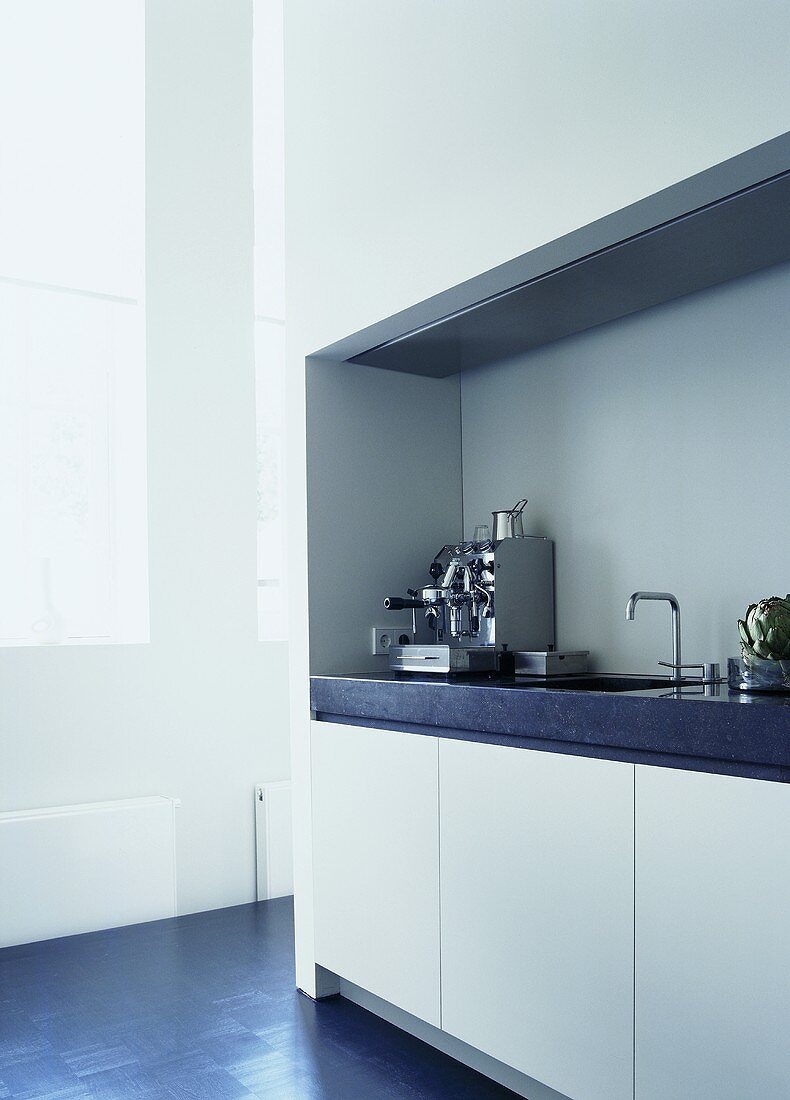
485 597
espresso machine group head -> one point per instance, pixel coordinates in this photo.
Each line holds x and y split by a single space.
484 597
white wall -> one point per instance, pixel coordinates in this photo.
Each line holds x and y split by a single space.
428 142
201 712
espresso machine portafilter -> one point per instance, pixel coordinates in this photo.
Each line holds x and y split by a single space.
484 597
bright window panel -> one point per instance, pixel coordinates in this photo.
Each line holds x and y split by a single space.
71 154
269 159
73 556
270 381
268 83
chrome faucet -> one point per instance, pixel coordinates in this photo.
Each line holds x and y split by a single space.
630 611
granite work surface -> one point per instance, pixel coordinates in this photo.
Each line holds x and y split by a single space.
713 730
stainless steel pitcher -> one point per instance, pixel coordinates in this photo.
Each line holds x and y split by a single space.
509 524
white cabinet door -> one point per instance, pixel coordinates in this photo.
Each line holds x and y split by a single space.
537 875
376 862
713 937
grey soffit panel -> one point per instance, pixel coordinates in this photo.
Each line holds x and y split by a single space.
730 220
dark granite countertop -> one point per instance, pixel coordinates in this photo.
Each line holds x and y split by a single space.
726 732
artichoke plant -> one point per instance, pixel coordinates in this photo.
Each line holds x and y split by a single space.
765 631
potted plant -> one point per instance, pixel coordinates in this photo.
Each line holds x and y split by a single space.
764 664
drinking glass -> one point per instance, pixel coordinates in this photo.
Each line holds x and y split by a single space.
482 533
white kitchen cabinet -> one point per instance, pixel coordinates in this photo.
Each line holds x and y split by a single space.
712 936
537 886
376 862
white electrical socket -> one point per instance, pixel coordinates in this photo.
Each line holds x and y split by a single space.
382 637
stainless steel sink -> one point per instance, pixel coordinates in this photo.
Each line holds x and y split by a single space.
610 683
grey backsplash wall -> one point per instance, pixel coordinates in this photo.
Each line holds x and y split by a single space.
655 451
384 494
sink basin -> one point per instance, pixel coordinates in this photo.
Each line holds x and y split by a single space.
606 682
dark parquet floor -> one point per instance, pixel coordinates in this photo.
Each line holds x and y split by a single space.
201 1007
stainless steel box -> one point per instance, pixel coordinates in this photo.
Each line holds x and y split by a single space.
441 658
539 663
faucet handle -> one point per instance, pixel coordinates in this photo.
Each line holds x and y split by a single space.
708 672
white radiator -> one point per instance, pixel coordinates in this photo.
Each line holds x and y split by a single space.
71 869
274 840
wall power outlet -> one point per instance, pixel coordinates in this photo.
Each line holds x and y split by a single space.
382 637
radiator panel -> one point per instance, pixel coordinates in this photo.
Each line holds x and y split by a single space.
71 869
273 840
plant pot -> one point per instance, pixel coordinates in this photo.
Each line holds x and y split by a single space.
757 674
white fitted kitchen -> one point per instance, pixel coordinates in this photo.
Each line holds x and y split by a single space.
578 898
